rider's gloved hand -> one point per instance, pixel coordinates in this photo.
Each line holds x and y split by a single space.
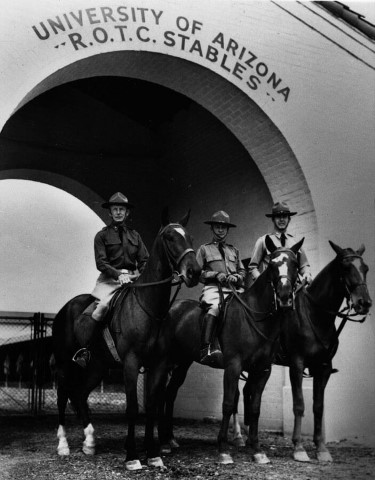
307 278
232 279
221 277
124 278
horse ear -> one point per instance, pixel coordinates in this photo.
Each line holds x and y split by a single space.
336 248
271 247
184 220
361 250
165 217
296 247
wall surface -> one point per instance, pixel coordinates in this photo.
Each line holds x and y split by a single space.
291 82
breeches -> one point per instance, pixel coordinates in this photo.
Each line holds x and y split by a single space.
104 290
210 294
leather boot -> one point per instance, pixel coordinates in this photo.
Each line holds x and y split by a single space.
210 354
92 329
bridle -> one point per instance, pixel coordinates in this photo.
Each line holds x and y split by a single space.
249 311
280 277
345 313
168 253
171 261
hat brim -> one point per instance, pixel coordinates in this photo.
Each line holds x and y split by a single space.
121 204
210 222
271 215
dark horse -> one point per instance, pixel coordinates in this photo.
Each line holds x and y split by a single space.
135 331
309 337
248 337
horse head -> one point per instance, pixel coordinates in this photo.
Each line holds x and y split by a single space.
283 266
353 274
178 247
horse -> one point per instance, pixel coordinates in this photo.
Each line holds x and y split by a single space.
134 330
248 336
309 338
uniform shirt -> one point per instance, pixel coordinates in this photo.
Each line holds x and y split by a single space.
112 255
261 256
211 261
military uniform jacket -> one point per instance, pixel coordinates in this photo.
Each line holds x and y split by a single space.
113 253
211 261
261 256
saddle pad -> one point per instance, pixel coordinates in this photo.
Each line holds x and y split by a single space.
112 316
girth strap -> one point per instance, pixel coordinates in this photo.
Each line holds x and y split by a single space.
111 345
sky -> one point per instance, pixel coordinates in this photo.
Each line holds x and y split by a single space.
46 247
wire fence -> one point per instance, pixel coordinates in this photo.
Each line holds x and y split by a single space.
28 374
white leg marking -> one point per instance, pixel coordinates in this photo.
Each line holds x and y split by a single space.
89 442
63 447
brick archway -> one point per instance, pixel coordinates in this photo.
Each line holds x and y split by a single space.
249 124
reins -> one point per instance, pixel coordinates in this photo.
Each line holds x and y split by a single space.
171 260
248 310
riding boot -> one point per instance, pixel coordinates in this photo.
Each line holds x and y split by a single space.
92 329
210 353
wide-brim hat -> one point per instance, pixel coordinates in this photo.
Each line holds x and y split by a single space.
118 199
280 208
221 218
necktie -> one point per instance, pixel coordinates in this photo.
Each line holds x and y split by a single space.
283 239
221 250
120 232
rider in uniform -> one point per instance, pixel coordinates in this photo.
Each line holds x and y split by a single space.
120 256
221 266
280 216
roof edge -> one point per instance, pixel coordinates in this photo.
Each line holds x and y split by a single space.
349 16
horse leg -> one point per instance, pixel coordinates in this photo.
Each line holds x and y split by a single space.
254 389
165 429
88 382
321 377
237 435
62 400
131 368
296 378
156 380
231 377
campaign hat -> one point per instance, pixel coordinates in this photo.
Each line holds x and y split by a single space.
280 208
118 198
221 218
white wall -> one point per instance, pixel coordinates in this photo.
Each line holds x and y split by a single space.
324 106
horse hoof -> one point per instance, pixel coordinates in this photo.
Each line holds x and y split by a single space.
165 449
301 456
225 459
239 442
324 457
132 465
88 450
155 462
174 444
63 451
261 458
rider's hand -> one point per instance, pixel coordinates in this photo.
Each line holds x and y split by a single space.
232 279
307 278
221 277
124 278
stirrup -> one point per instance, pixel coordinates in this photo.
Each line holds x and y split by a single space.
211 357
82 357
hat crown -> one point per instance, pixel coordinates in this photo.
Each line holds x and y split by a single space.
280 208
119 198
220 217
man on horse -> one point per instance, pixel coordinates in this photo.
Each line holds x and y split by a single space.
280 216
120 256
221 268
